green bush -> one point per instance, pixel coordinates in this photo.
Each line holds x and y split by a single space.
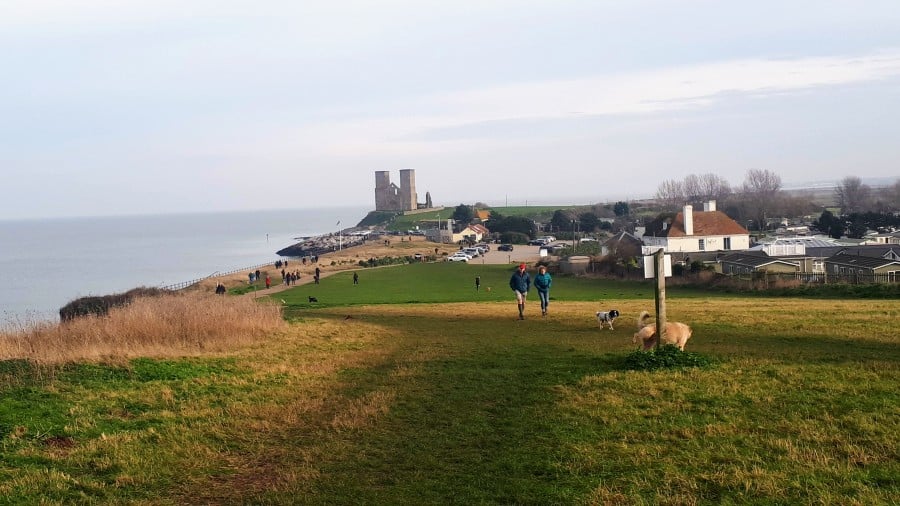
514 238
666 357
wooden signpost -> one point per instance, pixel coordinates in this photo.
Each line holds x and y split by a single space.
659 271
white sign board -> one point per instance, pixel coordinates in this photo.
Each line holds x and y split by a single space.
650 272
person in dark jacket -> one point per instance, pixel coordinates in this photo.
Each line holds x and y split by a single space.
520 282
542 282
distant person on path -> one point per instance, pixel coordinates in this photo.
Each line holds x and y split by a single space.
520 282
220 289
257 275
355 278
252 279
477 283
542 282
268 281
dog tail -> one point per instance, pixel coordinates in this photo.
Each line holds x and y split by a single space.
643 320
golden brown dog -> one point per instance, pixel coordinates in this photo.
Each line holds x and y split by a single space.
677 333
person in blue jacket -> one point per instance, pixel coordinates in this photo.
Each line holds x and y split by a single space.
520 282
542 282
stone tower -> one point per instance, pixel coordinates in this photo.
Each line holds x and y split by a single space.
408 197
390 197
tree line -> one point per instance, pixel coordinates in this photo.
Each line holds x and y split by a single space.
755 204
760 198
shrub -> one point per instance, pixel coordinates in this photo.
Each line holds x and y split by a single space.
100 305
665 357
514 238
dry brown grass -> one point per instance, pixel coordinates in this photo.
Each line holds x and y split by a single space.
173 325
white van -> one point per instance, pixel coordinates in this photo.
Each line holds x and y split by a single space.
472 252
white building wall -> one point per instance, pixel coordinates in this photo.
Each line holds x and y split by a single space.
692 244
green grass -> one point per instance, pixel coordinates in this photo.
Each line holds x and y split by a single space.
424 220
540 213
455 282
369 400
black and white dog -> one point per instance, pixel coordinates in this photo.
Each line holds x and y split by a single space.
607 317
313 299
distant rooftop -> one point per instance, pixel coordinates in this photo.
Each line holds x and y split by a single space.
815 241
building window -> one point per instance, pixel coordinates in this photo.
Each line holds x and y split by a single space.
818 266
727 242
702 244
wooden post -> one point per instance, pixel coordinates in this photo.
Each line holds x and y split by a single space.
660 272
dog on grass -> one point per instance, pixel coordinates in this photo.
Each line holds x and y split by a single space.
313 299
607 317
677 333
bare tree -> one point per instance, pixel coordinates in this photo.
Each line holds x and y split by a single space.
714 187
892 196
762 183
761 190
691 188
670 194
852 195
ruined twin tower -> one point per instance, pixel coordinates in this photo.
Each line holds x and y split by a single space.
390 197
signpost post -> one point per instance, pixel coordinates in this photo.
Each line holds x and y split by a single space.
658 266
660 273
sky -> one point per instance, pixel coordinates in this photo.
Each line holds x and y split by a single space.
113 107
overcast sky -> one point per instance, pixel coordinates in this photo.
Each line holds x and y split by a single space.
131 107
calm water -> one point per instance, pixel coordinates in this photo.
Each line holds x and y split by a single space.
47 263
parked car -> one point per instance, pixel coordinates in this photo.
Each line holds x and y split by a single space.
483 247
505 247
540 241
458 257
472 252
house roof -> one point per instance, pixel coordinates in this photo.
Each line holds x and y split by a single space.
706 223
482 214
872 251
622 238
860 261
480 229
753 259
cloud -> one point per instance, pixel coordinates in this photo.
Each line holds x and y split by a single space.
439 122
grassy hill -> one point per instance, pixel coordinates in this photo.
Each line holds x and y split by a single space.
367 398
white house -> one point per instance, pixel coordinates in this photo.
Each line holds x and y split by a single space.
689 231
445 233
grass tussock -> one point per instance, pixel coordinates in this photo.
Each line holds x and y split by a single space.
665 357
172 325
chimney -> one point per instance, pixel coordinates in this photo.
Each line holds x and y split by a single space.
688 220
709 206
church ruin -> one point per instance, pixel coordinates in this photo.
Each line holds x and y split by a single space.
390 197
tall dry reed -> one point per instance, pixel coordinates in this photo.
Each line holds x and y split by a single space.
172 325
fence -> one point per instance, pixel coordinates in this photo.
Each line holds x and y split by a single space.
821 278
185 284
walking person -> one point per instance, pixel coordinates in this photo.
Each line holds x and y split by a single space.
268 282
520 282
477 283
355 278
542 283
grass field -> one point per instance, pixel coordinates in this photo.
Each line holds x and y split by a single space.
369 399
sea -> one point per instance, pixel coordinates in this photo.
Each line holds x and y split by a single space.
44 264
